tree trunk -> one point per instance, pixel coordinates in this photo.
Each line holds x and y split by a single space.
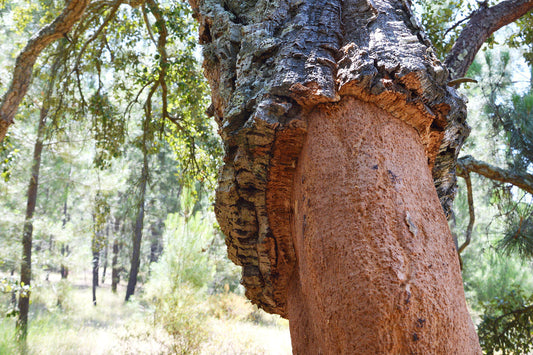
106 247
341 135
115 273
95 263
136 252
64 268
155 242
365 226
13 292
27 234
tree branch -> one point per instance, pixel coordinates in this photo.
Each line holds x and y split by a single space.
26 59
523 181
483 23
466 175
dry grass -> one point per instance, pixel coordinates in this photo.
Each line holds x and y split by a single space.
226 324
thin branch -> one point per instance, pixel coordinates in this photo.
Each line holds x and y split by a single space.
482 24
457 24
26 59
163 57
95 35
523 181
147 23
472 216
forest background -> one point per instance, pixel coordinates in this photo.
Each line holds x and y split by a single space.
107 182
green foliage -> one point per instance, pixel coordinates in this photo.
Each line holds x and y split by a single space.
186 239
523 38
518 237
180 277
109 129
101 213
8 156
441 21
507 323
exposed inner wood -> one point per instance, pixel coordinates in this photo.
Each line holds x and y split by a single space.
377 270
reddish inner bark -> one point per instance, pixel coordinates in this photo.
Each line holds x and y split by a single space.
377 270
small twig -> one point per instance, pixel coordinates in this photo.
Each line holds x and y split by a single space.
472 216
457 24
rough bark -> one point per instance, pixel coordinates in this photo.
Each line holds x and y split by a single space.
22 73
269 64
483 23
523 181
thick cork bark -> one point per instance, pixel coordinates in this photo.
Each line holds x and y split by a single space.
377 268
277 66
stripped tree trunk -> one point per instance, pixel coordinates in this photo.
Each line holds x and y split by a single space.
341 139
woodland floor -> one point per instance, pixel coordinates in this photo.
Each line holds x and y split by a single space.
229 325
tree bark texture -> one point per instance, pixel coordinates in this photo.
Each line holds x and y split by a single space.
377 271
22 73
279 68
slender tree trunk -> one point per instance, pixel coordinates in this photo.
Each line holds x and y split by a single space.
136 252
64 268
106 247
25 267
155 243
95 264
14 292
115 271
65 248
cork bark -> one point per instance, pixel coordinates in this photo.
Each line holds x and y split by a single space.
269 64
287 77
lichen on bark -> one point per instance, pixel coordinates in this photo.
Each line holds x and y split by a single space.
269 64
